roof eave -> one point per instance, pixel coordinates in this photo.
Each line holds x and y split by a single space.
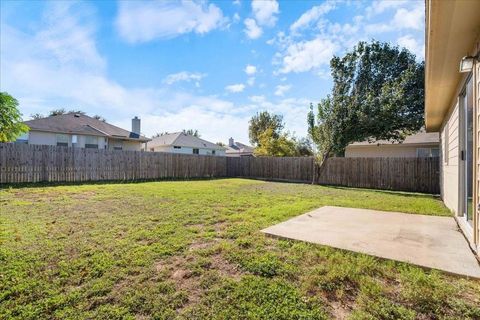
451 28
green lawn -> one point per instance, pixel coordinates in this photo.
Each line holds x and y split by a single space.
193 250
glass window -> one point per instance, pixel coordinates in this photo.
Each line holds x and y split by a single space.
91 142
116 144
213 152
23 139
427 152
177 147
195 151
447 145
62 140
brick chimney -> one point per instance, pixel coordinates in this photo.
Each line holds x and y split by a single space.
231 143
136 125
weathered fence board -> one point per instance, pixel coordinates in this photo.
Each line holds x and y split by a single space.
402 174
32 163
295 169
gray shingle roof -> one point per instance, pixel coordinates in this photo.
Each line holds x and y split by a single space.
183 140
75 123
239 147
418 138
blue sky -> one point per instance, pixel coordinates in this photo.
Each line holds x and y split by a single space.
206 65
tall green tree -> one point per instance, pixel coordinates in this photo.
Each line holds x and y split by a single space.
275 145
377 94
263 121
11 125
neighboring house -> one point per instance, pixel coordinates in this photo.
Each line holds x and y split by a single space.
237 149
180 142
419 145
79 130
452 105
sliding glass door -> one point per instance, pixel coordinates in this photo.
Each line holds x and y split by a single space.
466 153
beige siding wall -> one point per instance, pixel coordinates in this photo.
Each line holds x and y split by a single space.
185 150
132 146
49 138
42 138
449 177
126 145
476 142
384 151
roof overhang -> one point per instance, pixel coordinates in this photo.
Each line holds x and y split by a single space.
100 134
451 28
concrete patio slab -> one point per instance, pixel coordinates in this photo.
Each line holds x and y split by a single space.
426 241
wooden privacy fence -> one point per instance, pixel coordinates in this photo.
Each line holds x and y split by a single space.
294 169
402 174
32 163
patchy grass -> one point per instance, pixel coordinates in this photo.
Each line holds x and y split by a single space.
193 250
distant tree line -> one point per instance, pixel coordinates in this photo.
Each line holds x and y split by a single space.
267 135
60 111
190 132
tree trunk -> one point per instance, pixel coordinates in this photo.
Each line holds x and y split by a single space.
318 168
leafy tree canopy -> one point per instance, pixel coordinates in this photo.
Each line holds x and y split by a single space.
263 121
303 147
275 144
11 125
99 118
37 116
192 132
266 133
378 94
159 134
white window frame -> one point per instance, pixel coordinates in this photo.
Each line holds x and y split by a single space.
90 145
61 140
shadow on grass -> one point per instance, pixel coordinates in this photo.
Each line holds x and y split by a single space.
43 184
384 191
103 182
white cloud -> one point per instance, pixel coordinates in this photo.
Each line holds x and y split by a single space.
251 81
312 15
41 78
250 70
409 19
281 89
265 12
252 30
313 39
236 17
307 55
380 6
404 18
294 111
212 126
413 45
235 88
183 76
69 38
145 21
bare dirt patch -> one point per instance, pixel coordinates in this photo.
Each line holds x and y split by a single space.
225 268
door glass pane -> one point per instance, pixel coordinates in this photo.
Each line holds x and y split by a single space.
469 149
